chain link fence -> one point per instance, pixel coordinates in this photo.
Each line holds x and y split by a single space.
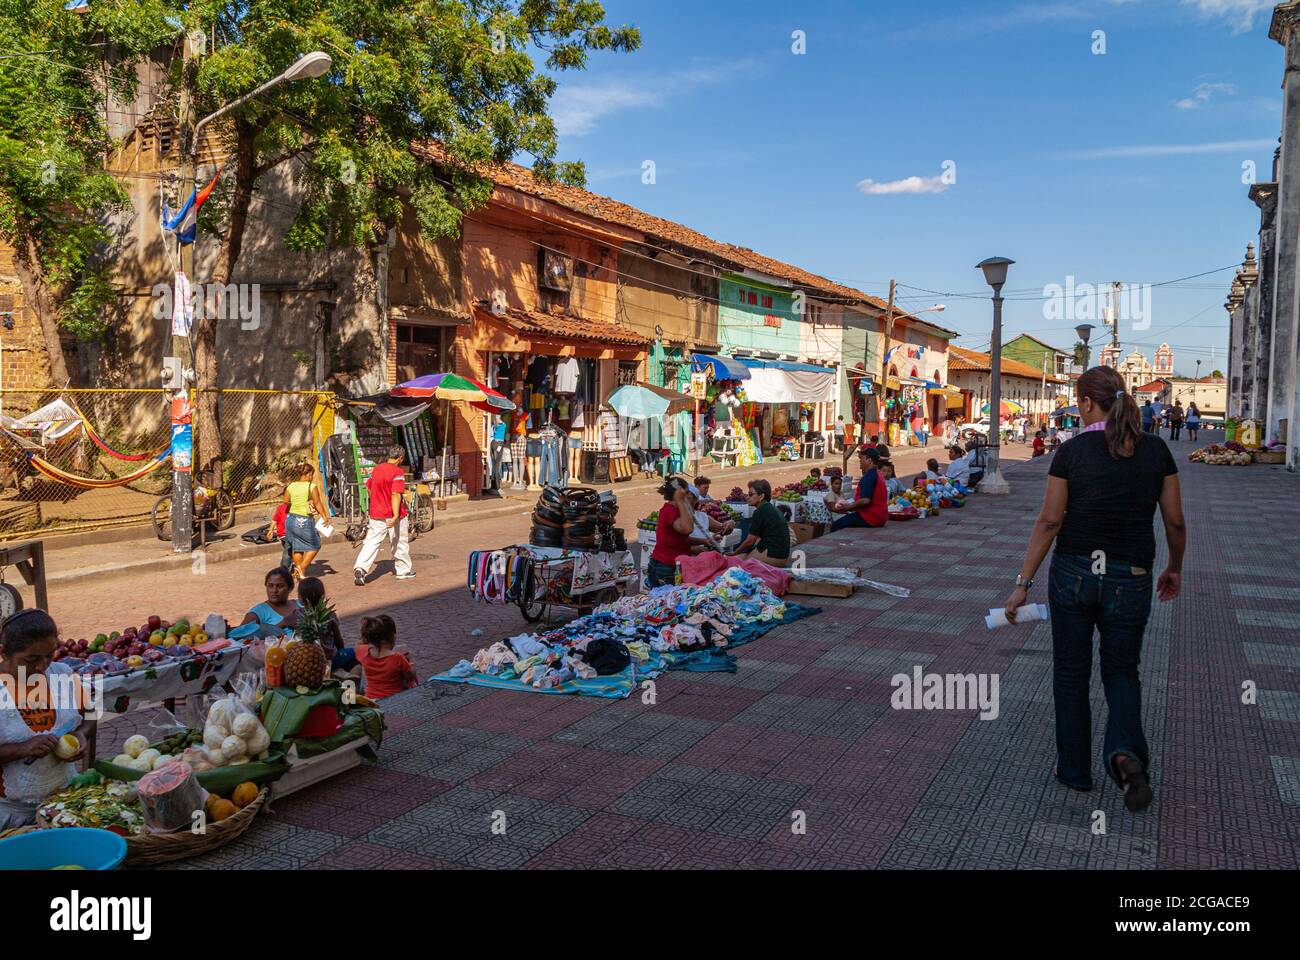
62 453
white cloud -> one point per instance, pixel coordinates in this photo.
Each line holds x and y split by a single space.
1170 149
1203 93
1240 14
577 108
907 185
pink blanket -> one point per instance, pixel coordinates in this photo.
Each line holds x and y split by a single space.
702 569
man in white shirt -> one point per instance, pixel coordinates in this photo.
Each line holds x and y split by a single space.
958 466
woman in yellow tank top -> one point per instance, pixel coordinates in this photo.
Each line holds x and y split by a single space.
302 494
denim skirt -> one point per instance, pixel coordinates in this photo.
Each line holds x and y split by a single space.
300 533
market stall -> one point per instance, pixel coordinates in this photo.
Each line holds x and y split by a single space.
194 778
780 398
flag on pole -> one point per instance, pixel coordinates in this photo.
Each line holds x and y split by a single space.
184 222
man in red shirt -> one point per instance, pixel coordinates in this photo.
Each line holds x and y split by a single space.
871 508
388 519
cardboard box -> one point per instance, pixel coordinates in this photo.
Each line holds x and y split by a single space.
803 532
812 588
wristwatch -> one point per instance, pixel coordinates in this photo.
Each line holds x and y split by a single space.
1022 582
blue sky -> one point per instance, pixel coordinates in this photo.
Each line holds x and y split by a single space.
1121 166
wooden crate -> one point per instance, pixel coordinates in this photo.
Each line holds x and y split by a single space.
1270 456
305 773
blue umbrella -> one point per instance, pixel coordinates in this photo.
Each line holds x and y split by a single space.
641 401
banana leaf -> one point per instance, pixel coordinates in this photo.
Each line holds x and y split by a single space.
220 780
360 723
284 710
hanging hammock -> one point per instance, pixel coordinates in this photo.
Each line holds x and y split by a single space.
99 442
89 483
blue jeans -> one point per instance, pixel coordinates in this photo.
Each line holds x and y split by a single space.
549 468
849 521
660 574
1117 605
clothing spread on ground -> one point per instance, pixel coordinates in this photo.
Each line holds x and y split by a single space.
1111 502
608 652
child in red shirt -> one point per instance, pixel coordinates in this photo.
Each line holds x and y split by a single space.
386 670
1040 447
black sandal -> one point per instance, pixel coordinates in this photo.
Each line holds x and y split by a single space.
1137 785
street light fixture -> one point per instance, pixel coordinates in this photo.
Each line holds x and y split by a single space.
1084 330
995 275
314 64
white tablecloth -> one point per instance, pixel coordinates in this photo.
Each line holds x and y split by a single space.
172 678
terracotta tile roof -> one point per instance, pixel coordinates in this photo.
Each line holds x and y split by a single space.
960 358
536 323
666 232
1155 386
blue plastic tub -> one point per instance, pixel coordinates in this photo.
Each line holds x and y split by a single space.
87 847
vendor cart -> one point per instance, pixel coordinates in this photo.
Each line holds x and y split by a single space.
553 579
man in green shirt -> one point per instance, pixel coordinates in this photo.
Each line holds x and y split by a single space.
769 534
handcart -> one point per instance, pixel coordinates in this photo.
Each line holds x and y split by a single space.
553 582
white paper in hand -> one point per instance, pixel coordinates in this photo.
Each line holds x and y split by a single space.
1029 613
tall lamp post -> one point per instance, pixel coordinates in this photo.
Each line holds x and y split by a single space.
995 275
315 64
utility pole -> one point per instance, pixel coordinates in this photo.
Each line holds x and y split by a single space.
181 419
884 352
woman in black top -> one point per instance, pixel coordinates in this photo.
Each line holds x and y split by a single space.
1102 491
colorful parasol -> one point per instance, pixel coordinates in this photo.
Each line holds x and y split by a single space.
452 386
1008 408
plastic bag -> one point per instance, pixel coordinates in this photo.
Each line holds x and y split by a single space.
169 797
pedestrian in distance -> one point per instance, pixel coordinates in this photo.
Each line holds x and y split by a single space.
1176 420
1102 492
388 520
839 434
303 495
1148 417
1193 421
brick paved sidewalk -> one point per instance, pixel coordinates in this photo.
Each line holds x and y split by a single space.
715 773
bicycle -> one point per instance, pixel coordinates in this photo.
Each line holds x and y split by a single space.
213 505
419 509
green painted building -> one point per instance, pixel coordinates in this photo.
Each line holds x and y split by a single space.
1035 353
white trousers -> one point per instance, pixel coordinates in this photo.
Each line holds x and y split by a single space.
377 531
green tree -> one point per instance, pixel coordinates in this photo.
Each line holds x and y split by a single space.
54 193
405 74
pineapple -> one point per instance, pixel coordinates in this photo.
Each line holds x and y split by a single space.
304 663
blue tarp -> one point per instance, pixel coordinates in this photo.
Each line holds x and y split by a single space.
618 686
724 368
785 365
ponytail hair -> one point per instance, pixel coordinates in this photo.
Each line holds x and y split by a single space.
1104 387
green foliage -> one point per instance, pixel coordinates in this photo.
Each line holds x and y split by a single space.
53 190
460 72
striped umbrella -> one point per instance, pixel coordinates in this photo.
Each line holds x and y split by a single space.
452 386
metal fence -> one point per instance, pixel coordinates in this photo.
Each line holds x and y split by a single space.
261 431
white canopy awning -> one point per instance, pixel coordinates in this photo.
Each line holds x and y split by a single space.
768 385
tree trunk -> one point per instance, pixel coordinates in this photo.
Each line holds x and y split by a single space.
31 273
205 322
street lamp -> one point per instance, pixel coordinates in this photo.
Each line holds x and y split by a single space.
995 275
1084 330
314 64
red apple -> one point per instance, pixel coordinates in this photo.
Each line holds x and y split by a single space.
155 623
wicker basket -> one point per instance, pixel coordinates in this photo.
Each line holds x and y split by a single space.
147 849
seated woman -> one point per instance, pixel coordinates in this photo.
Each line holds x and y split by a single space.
277 614
769 533
39 703
672 534
871 508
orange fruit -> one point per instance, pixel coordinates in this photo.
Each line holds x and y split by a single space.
244 794
275 656
222 809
